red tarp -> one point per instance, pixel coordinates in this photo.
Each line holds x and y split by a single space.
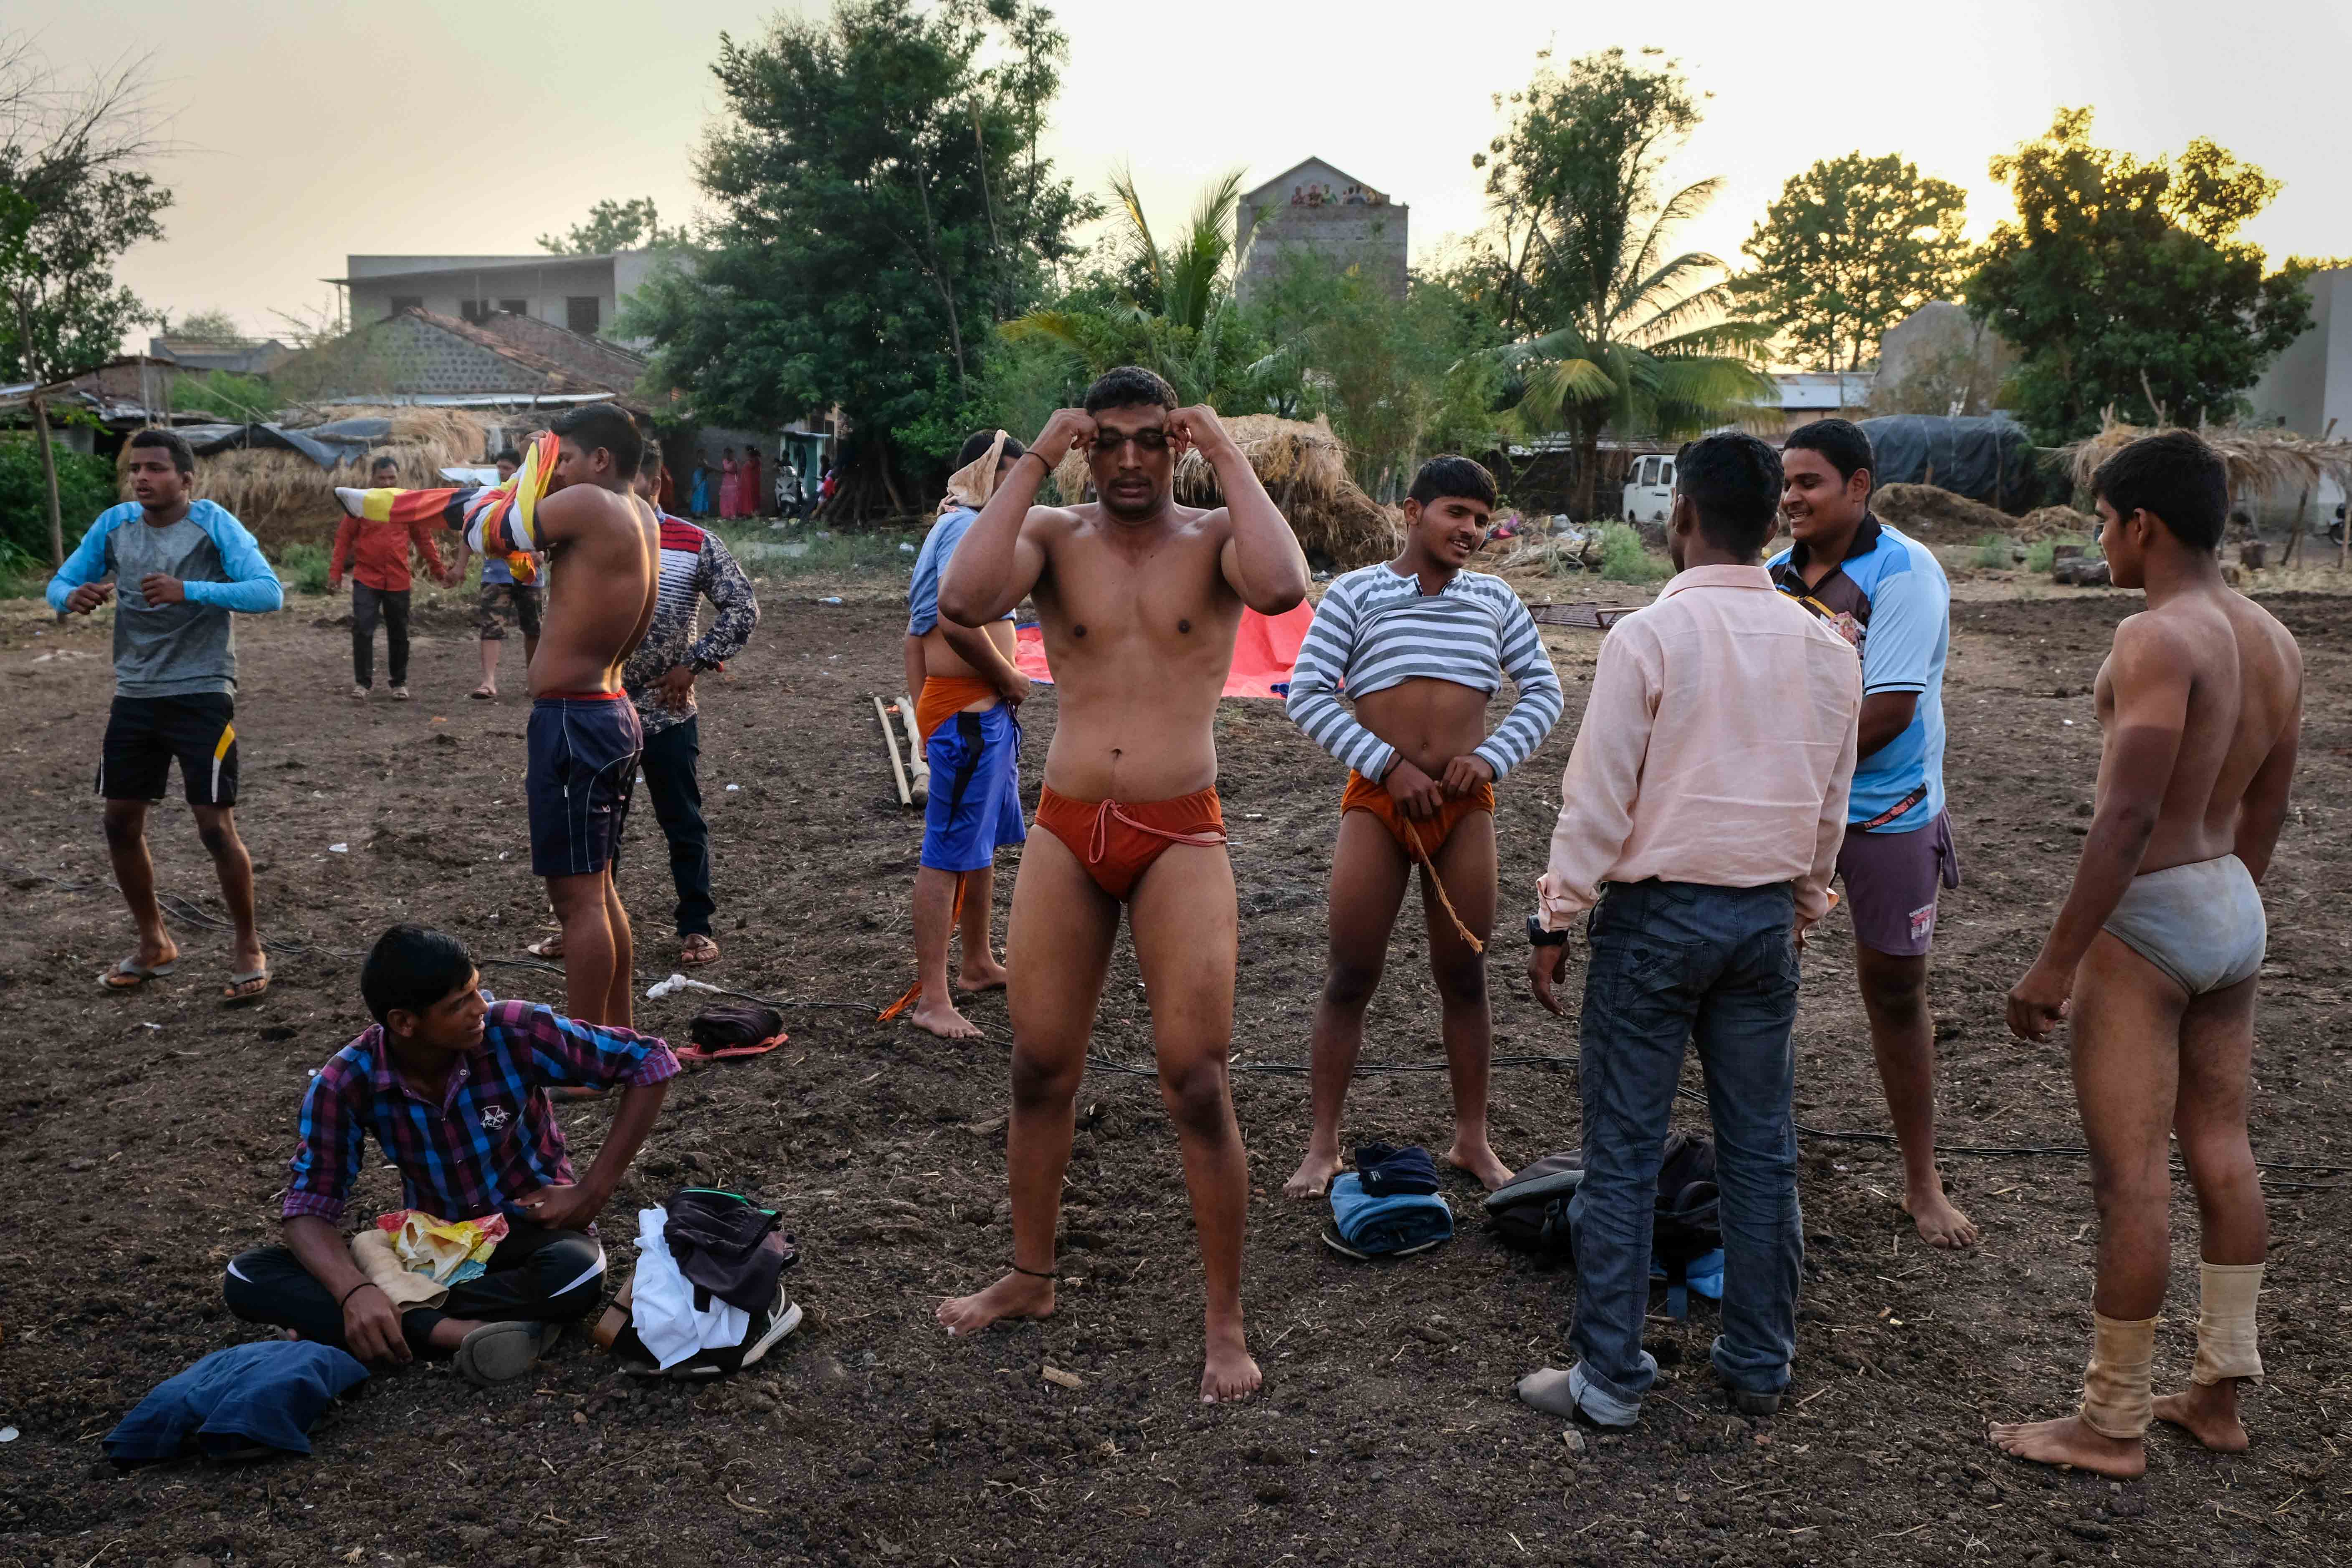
1265 647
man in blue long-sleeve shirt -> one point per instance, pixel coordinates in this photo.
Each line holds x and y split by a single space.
180 569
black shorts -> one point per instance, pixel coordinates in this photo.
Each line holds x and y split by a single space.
145 733
582 765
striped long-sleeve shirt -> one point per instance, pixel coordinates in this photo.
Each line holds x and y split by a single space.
695 566
1375 629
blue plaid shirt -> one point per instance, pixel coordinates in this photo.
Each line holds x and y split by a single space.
492 1139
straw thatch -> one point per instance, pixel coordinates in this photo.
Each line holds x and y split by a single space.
2259 462
285 498
1304 468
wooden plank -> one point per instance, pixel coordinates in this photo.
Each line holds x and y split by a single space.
890 739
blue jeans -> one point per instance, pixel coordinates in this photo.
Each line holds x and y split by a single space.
1677 961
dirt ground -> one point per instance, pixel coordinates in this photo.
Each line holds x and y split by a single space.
145 1141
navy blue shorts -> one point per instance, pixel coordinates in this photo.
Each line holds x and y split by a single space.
583 754
145 733
975 802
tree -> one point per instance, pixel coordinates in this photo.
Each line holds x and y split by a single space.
1610 330
73 197
2119 283
211 326
1170 309
881 206
614 226
1852 245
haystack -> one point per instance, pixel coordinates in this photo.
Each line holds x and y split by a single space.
285 498
2048 521
1938 513
2259 462
1305 468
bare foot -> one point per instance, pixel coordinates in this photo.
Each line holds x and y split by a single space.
1941 1224
1015 1296
939 1018
2067 1441
2209 1411
1477 1157
1313 1178
1231 1373
986 974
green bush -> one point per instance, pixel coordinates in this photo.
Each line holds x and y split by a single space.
1994 554
800 552
303 567
244 398
85 489
1625 559
2041 557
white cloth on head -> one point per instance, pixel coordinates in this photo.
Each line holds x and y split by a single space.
661 1301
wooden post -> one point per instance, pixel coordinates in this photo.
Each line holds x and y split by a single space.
2294 535
49 479
918 764
890 739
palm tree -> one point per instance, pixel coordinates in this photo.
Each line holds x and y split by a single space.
1618 332
1175 313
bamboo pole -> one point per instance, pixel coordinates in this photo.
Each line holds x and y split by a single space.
890 739
918 765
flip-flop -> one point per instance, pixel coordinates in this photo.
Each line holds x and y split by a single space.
135 974
548 947
685 954
234 997
483 694
1330 1238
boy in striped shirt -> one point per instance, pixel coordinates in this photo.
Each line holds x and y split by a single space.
1420 646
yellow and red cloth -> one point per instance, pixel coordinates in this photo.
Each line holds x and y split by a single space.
497 520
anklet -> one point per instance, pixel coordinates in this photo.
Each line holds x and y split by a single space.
1032 1273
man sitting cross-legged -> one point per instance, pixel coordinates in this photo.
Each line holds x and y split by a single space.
454 1088
1139 599
2156 949
1418 645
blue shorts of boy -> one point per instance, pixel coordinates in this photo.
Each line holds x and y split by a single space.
975 801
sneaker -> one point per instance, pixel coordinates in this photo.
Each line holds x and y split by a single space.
400 694
359 693
500 1352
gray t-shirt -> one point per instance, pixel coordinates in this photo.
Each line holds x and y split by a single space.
168 650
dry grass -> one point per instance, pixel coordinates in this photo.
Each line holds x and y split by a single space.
1304 468
284 498
2259 462
1939 513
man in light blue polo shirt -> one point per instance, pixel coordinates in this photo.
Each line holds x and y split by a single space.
1888 595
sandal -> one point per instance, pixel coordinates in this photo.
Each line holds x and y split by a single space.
696 950
483 694
130 974
236 993
549 947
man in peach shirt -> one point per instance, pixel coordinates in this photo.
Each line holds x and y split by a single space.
1706 799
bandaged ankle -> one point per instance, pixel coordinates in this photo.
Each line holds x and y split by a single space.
2116 1400
2225 1322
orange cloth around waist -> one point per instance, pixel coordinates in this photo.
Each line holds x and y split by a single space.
1363 795
1118 840
944 697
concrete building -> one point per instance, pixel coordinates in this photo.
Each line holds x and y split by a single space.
2310 382
1321 210
582 294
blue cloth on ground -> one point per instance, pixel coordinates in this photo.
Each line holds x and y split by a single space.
1378 1225
1387 1171
1704 1274
268 1392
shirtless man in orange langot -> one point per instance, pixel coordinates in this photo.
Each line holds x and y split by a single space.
2156 950
1139 599
585 737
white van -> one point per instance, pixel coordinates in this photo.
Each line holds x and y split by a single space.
1650 489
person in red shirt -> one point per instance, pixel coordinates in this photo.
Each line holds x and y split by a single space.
377 556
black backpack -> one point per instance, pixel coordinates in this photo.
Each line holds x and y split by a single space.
1530 1211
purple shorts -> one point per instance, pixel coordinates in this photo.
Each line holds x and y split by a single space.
1891 883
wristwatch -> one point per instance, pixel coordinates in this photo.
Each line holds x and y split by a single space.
1539 937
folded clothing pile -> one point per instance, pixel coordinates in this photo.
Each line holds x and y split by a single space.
706 1297
1388 1204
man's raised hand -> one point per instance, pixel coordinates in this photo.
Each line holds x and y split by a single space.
1199 428
89 596
1068 429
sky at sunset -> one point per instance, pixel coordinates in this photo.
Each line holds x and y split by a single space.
308 131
